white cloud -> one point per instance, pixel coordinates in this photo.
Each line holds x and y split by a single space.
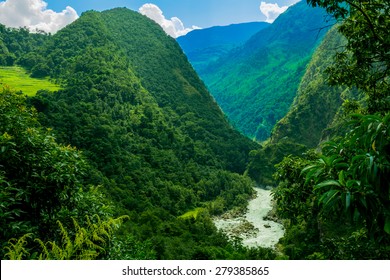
271 11
34 15
173 27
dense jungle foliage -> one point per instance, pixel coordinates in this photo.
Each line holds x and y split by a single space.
336 201
154 145
115 163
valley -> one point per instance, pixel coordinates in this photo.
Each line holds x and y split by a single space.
262 74
149 147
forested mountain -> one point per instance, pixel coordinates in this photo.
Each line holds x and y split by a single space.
204 46
150 133
130 155
256 84
335 198
316 107
316 104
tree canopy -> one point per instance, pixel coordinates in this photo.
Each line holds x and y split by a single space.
365 61
151 137
339 197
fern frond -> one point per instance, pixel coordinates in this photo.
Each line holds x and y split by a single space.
16 248
45 254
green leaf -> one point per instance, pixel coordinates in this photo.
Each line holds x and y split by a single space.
313 174
329 198
327 184
371 162
352 183
347 200
342 178
379 127
358 157
308 168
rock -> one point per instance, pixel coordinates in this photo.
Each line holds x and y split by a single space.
251 226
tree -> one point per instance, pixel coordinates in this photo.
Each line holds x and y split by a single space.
348 183
41 181
82 243
352 176
364 63
44 175
294 197
361 160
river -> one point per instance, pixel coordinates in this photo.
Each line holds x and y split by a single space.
252 227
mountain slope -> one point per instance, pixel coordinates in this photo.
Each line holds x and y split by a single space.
247 82
316 104
151 132
203 46
314 114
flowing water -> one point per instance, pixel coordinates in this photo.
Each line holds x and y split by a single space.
252 227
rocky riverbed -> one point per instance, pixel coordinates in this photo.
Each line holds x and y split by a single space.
252 226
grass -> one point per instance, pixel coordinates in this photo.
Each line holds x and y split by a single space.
192 214
17 78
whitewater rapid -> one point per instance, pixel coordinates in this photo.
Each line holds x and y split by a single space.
251 227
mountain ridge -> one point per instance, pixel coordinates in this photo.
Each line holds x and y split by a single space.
242 82
316 104
207 45
313 117
154 138
233 34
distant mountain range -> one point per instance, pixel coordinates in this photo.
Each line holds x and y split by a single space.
256 83
203 46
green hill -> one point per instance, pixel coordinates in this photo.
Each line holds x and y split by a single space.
316 104
256 84
152 135
314 110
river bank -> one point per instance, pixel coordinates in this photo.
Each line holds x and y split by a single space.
251 227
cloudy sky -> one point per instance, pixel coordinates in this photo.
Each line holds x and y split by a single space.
177 17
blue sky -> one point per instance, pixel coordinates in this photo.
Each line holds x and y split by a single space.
202 13
177 17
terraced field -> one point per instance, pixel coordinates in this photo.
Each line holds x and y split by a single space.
17 78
